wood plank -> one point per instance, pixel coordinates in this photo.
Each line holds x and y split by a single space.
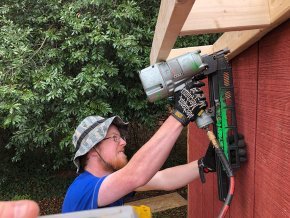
238 41
272 197
208 49
279 11
171 17
207 16
161 202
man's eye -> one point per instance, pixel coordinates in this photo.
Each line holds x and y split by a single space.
115 137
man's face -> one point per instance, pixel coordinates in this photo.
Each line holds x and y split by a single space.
112 148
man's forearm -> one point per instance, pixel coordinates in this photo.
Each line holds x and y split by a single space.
179 176
150 157
173 178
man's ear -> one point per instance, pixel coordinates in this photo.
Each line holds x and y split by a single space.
91 152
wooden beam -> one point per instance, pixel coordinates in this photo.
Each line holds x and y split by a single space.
208 16
238 41
279 11
161 202
171 17
208 49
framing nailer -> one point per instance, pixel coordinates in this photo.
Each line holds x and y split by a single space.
163 79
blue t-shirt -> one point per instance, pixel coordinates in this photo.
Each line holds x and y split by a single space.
83 194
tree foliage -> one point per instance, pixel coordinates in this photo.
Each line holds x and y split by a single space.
62 60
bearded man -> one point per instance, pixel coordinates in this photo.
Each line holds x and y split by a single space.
106 177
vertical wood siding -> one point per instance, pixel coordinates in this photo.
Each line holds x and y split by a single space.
262 94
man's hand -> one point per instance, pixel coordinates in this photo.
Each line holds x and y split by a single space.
22 208
207 164
189 102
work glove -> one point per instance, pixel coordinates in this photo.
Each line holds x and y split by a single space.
189 102
207 164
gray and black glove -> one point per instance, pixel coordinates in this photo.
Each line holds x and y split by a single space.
189 102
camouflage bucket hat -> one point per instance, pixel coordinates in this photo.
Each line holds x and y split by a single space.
90 132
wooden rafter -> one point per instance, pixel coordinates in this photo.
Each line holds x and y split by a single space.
172 15
208 16
238 41
208 49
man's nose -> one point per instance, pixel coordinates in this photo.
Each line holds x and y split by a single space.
123 142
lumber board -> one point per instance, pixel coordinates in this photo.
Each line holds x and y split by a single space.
208 16
161 202
171 17
238 41
272 197
279 11
208 49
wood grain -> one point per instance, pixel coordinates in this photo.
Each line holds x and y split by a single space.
171 17
207 16
161 202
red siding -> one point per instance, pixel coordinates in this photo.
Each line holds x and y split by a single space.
262 94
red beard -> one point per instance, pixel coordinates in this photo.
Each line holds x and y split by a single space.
120 162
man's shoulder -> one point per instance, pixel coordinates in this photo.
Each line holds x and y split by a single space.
87 178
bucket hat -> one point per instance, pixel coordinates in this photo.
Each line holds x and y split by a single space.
91 131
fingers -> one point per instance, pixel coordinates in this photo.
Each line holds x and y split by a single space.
204 105
196 91
194 84
202 98
19 209
198 84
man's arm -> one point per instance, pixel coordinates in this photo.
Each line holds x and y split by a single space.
148 160
172 178
143 165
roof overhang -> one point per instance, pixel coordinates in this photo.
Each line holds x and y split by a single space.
241 22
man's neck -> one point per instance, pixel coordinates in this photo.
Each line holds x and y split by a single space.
97 171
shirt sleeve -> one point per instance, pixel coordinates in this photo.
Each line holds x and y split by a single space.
94 202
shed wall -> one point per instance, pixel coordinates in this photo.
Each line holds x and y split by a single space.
262 95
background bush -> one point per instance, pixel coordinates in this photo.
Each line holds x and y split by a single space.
64 60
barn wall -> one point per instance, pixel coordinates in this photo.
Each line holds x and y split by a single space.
262 94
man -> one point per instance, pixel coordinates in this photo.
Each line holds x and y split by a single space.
107 177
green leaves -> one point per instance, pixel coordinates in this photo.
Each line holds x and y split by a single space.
61 61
